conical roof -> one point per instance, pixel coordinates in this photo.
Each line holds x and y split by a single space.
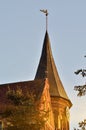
47 69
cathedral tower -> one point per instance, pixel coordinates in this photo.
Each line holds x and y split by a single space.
59 99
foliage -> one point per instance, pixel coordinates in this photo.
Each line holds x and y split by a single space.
24 113
82 125
81 92
81 88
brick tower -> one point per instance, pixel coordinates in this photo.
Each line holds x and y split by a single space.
59 99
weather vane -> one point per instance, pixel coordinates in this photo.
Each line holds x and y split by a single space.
46 13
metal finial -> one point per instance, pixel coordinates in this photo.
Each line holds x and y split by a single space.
46 13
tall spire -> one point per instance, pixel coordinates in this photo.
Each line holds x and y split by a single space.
46 13
47 69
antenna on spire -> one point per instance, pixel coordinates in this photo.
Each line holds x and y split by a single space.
46 13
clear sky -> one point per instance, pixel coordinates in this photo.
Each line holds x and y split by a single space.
22 30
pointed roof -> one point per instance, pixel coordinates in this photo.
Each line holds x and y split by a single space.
47 69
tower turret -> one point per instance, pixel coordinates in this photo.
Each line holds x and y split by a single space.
59 99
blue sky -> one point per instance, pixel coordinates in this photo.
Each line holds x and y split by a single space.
22 30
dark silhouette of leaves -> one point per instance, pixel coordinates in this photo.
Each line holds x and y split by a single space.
81 90
81 71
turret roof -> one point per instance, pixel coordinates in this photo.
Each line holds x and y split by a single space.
47 69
